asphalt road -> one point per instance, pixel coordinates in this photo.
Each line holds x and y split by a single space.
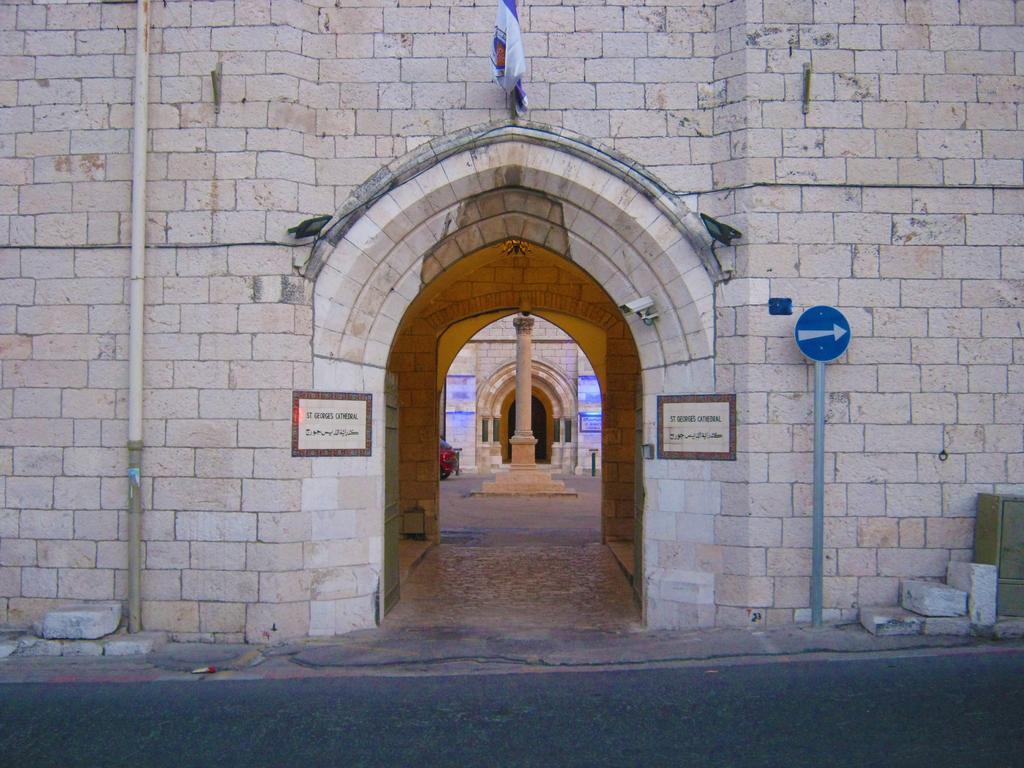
937 711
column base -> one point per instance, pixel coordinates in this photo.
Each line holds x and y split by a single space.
524 480
524 450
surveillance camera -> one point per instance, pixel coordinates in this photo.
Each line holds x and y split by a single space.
648 316
637 305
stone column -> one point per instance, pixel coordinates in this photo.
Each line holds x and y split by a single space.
523 441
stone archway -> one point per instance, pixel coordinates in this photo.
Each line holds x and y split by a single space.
494 394
412 224
421 215
414 362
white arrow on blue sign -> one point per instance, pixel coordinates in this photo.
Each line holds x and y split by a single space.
822 333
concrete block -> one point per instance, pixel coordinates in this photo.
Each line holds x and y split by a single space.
222 617
928 598
135 645
1009 629
81 622
947 625
35 646
890 621
275 623
81 648
170 615
979 582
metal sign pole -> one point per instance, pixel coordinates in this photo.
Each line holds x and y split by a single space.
818 520
822 334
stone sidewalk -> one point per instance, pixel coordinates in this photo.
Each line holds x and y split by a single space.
462 651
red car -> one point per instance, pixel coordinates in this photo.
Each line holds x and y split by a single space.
449 459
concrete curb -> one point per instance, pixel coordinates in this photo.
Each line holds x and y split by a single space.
458 651
580 649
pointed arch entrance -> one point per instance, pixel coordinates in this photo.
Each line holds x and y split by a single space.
600 224
496 395
541 418
570 298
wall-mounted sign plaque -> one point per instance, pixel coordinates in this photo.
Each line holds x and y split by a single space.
331 424
590 421
697 427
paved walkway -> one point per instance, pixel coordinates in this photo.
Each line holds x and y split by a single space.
460 651
504 520
517 564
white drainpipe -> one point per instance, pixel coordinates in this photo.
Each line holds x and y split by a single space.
137 282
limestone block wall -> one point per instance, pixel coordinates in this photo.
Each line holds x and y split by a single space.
228 338
461 422
316 99
896 196
933 366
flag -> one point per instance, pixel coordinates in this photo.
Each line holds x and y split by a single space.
507 54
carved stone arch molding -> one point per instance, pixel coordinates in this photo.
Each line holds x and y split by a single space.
547 378
456 194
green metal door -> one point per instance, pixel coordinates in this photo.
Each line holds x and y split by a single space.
392 515
638 496
1011 558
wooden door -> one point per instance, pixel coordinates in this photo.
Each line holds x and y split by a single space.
392 514
638 496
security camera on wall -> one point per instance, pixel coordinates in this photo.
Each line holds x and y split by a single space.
637 305
643 308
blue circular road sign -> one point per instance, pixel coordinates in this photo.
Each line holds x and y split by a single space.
822 333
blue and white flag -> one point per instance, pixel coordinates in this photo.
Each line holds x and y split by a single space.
507 54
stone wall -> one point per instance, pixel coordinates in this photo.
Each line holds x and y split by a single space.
897 196
228 338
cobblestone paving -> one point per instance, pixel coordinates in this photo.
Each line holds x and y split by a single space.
521 564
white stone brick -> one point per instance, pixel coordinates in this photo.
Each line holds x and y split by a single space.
219 586
222 617
271 495
30 492
279 527
930 599
77 622
886 622
85 583
166 554
979 582
290 619
284 587
912 562
215 526
160 585
227 556
66 554
39 582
